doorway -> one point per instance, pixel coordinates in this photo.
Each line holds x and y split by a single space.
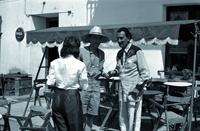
182 54
52 52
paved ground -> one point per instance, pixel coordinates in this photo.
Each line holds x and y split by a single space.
17 109
19 103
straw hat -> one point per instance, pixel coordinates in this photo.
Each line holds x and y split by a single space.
96 30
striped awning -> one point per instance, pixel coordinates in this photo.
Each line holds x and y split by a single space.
157 33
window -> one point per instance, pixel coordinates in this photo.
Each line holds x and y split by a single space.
182 54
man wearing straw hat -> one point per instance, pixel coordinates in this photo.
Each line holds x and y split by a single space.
93 58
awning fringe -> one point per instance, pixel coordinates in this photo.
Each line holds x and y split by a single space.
111 44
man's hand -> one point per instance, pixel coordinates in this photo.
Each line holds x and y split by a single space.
111 73
94 75
105 75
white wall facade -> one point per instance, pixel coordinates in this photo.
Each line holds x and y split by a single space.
17 56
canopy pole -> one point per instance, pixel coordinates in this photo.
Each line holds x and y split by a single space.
194 73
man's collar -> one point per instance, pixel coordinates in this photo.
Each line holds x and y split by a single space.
128 47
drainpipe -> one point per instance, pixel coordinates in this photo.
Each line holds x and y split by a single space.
25 8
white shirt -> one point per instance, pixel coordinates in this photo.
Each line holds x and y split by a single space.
68 73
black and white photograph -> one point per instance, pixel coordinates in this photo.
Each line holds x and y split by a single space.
99 65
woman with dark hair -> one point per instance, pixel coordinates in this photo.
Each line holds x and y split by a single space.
68 75
71 46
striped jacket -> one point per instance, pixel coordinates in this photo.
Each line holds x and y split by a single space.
133 71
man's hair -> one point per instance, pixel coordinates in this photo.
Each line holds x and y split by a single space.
71 45
126 31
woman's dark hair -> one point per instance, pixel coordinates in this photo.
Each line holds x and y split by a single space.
71 46
126 31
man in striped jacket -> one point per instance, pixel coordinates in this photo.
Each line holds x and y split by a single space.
132 70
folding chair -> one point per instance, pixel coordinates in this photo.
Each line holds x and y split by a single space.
109 102
174 112
153 95
113 106
196 104
44 114
38 113
37 86
7 105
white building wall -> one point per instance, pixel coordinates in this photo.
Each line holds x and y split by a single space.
17 56
18 13
14 55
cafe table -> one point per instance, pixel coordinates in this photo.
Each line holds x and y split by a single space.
175 86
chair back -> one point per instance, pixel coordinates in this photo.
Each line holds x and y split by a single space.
48 95
197 89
